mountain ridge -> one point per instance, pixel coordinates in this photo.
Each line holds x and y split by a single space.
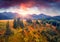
10 15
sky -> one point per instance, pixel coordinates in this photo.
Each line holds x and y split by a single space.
24 7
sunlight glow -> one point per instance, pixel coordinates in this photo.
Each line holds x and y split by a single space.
27 11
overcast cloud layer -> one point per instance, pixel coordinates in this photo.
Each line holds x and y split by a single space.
49 7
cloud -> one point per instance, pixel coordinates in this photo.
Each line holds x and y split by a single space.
11 3
49 7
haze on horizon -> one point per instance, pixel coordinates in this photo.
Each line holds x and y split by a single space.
24 7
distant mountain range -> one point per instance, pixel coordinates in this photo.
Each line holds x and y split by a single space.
10 15
42 16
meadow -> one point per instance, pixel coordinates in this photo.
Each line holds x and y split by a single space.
17 30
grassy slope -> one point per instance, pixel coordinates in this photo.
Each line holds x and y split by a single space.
24 35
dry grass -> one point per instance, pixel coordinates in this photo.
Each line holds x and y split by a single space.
32 35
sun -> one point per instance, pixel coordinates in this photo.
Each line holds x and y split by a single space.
22 12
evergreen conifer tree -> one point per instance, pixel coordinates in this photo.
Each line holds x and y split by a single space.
15 23
8 32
